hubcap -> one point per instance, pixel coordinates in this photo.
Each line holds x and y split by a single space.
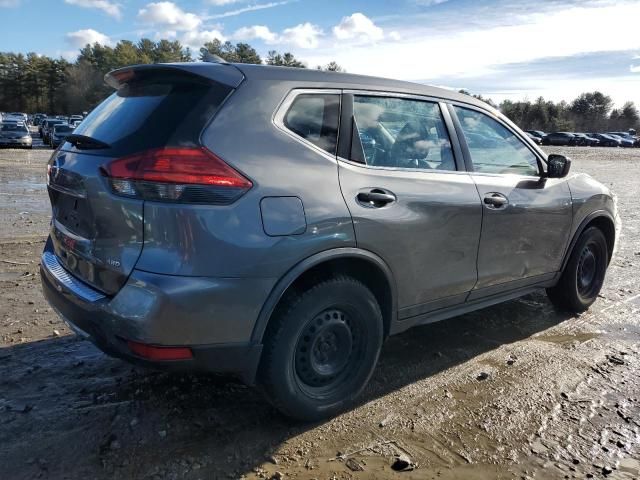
587 270
325 348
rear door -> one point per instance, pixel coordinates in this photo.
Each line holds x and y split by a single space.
97 224
526 217
409 201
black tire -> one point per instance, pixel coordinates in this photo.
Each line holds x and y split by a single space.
584 273
321 349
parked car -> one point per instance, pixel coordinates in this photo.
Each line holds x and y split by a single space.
537 133
38 117
584 140
537 140
47 126
559 138
59 133
626 140
195 228
21 117
15 135
630 136
606 140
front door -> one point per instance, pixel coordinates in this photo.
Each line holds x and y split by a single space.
526 217
409 203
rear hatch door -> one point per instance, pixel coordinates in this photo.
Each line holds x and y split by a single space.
97 235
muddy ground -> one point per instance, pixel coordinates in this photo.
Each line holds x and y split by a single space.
513 391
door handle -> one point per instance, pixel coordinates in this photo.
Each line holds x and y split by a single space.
495 200
375 198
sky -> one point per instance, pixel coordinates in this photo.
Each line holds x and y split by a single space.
498 48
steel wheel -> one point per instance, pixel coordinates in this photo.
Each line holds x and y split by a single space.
327 350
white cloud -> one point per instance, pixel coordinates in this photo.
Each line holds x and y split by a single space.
358 27
69 55
634 68
469 51
110 8
430 3
169 16
196 39
394 36
80 38
250 8
304 35
222 2
260 32
9 3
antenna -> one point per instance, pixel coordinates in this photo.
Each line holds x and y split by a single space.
207 56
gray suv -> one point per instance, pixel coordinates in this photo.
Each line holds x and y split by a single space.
278 224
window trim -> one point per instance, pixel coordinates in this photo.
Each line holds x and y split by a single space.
345 132
541 160
278 118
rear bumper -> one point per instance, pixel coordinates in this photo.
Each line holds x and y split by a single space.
164 311
15 142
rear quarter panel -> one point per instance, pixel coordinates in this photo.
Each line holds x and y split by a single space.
230 241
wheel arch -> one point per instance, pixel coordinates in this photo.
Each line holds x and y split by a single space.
363 265
600 219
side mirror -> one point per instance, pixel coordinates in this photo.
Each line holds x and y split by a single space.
558 166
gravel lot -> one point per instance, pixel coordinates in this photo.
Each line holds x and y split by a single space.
513 391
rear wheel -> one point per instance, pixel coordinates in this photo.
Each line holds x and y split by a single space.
583 276
322 348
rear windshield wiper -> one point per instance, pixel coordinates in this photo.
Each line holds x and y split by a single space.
84 142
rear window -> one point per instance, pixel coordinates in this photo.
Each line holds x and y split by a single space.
315 117
62 128
13 127
154 110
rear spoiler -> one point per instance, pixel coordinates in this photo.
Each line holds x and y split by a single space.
226 74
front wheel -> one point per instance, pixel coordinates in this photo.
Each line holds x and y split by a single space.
583 275
322 348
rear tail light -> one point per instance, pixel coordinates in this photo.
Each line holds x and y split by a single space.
176 174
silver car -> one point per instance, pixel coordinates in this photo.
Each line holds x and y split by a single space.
279 224
15 135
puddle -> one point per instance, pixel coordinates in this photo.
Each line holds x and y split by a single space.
564 339
9 276
629 465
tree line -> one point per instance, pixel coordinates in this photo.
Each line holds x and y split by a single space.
37 83
589 112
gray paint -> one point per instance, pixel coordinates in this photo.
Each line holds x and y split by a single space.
529 235
204 274
428 236
107 254
282 216
589 195
170 310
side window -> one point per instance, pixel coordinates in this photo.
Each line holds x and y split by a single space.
314 117
403 133
493 148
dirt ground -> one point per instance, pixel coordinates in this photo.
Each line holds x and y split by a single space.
513 391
